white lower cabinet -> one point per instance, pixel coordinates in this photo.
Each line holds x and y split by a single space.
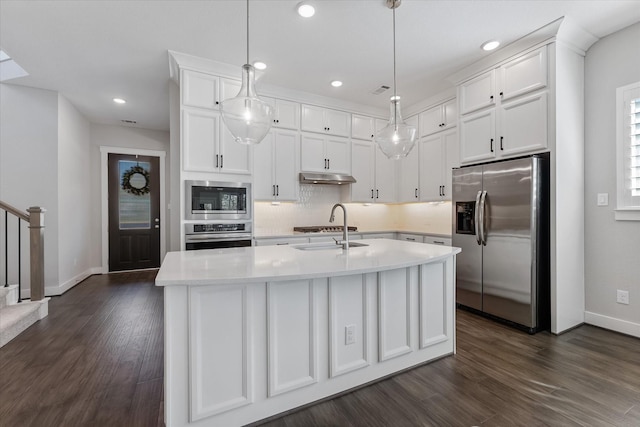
408 237
434 240
276 166
280 241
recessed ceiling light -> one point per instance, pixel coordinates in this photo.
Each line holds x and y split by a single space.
306 9
119 101
336 83
490 45
260 65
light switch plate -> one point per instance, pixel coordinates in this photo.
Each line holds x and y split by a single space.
603 199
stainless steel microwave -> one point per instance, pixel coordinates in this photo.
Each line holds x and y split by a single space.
214 200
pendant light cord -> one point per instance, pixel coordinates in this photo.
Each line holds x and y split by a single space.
247 31
395 96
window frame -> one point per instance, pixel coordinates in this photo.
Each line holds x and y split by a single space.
626 210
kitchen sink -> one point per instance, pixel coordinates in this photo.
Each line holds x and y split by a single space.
326 245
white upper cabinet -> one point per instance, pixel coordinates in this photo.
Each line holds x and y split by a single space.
199 89
362 127
477 93
523 75
408 171
286 114
276 166
507 118
439 118
209 147
323 153
438 155
206 91
374 174
325 120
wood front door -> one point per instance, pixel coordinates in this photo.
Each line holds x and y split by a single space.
134 212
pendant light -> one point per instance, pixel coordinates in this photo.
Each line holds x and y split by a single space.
247 117
397 138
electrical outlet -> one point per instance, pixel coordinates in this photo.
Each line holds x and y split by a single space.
603 199
350 334
622 297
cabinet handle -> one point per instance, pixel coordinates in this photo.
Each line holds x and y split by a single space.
217 164
273 190
372 193
501 138
325 163
328 163
221 160
410 238
377 194
416 193
443 192
277 190
438 242
492 145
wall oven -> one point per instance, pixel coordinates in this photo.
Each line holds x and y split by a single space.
214 200
218 235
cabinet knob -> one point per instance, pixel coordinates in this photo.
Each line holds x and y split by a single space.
501 94
491 97
217 103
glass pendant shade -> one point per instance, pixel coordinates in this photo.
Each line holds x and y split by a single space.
247 117
397 138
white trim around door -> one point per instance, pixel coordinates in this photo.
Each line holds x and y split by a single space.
104 194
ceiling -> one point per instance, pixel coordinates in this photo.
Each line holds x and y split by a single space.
92 51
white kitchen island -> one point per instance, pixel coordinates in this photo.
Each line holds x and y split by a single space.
253 332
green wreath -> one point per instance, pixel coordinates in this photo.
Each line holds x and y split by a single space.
133 189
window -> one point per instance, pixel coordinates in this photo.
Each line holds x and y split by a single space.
628 144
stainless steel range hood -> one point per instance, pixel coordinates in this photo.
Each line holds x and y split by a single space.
325 178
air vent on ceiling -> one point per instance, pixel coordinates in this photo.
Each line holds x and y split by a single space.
129 122
381 89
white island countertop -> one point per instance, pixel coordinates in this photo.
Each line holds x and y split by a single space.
268 263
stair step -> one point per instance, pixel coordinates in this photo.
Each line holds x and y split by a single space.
17 317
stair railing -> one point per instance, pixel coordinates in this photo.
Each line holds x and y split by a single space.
35 218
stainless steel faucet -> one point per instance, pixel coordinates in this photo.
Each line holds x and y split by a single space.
345 229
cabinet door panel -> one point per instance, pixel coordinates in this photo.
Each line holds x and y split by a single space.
477 93
409 181
286 165
362 127
524 125
263 167
234 157
450 113
229 88
431 121
200 132
338 122
524 74
287 114
451 148
430 168
199 90
312 154
339 154
476 133
362 171
385 178
312 119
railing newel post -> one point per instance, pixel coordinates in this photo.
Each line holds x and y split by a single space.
36 233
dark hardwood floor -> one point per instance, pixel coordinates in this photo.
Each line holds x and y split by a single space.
97 360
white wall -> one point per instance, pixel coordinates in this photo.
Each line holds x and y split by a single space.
28 163
126 137
74 194
611 247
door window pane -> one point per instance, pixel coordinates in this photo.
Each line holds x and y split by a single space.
134 196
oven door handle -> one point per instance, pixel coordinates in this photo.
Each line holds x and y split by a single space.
217 237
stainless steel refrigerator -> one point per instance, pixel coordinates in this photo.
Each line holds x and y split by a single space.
501 222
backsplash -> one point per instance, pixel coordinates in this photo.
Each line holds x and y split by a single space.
315 203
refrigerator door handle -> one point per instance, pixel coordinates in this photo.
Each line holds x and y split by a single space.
483 232
477 217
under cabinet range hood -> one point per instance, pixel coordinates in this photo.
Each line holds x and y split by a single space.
325 178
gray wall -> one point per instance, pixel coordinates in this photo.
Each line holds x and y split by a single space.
612 248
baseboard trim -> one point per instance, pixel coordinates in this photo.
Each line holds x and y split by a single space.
64 287
612 323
